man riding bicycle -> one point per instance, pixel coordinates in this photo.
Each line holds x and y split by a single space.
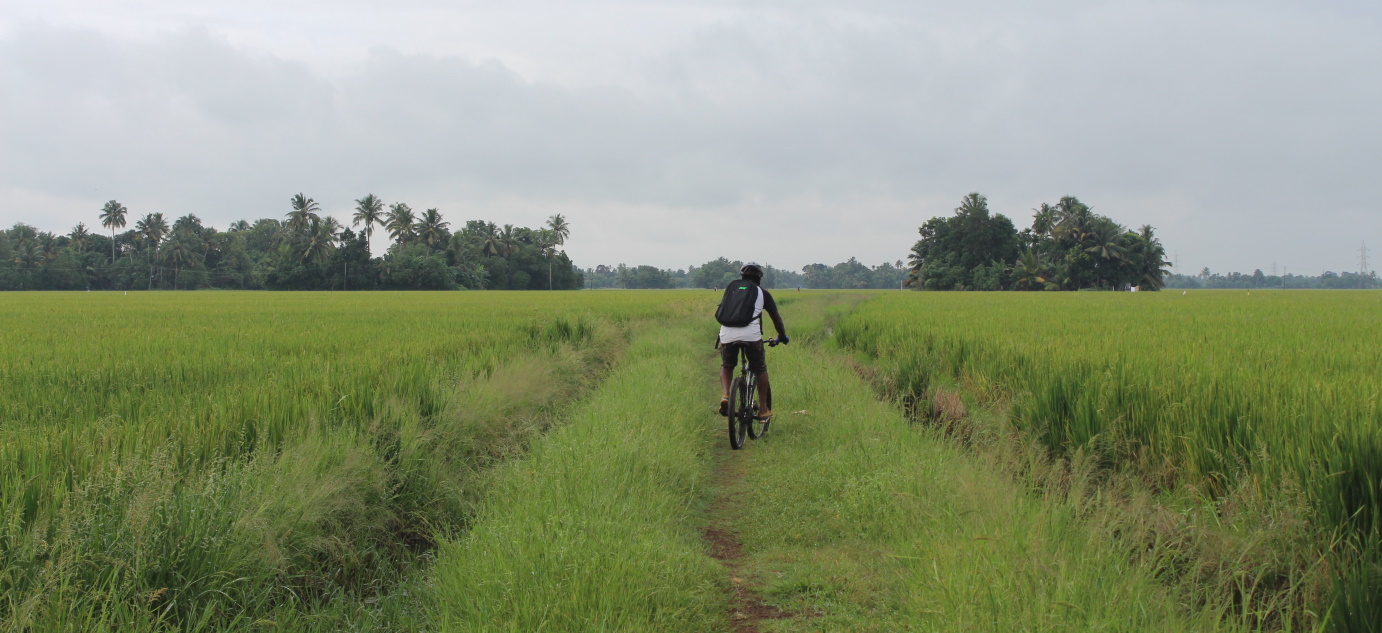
755 301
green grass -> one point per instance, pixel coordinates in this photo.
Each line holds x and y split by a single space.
208 461
594 529
856 520
253 461
1210 393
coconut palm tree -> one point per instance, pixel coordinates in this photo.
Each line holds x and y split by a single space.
304 211
547 241
188 223
559 226
181 253
239 225
152 227
1044 220
400 222
369 211
431 229
491 245
1152 264
508 239
80 237
321 240
1106 241
1075 220
28 254
1030 271
113 217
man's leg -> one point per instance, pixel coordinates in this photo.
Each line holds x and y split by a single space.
765 394
729 357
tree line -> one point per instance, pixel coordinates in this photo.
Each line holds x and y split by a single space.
1327 280
302 251
1068 247
718 272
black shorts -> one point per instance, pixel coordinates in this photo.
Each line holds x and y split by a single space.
758 361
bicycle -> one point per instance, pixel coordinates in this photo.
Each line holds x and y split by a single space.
743 403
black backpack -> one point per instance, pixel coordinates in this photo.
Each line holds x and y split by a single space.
736 308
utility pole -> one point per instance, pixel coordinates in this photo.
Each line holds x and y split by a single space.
1363 265
1273 268
1175 262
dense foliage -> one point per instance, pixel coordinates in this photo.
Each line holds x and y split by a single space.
1068 247
303 251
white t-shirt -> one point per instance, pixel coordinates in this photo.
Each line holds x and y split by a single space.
751 333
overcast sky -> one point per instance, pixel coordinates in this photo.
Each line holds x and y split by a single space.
670 133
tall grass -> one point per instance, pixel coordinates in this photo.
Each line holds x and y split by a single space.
212 460
1210 390
593 529
853 520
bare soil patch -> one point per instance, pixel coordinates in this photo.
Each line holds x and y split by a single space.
746 608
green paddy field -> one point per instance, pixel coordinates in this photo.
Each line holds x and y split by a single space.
515 461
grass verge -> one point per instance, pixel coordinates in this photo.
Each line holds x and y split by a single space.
593 530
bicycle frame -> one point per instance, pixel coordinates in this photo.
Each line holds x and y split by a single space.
744 408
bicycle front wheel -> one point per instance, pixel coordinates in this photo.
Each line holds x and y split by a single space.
757 428
739 413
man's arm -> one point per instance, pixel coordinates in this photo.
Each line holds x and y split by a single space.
770 307
777 323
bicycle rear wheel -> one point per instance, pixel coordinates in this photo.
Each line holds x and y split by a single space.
739 413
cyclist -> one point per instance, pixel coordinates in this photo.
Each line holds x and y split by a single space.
751 338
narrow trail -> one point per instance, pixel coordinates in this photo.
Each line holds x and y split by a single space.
746 608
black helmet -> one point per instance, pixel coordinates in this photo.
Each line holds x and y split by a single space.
752 269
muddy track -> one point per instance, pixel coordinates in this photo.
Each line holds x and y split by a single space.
746 608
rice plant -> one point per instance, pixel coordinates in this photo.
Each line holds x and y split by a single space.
1279 389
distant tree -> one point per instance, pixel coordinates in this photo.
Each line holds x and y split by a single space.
716 273
508 239
113 217
557 223
152 228
547 240
320 241
1029 272
369 211
647 277
1044 220
952 249
1148 259
491 244
431 229
80 238
181 253
304 211
399 223
188 224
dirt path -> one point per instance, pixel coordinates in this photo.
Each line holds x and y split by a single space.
746 608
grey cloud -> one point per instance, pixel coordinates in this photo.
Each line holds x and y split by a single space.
1197 118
